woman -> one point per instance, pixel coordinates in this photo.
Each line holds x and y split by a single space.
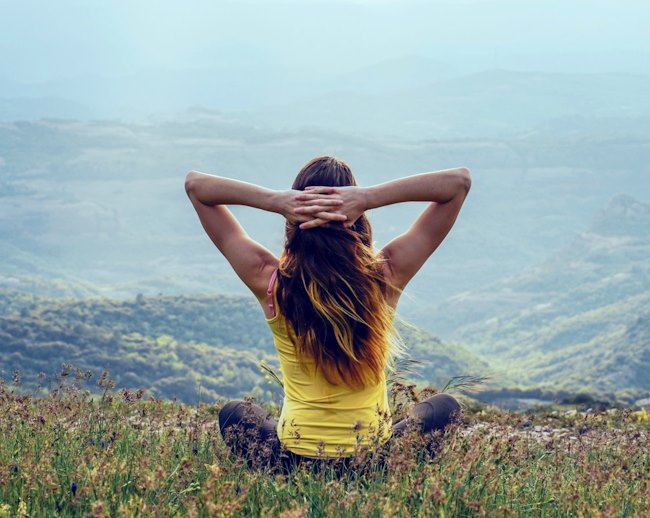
329 301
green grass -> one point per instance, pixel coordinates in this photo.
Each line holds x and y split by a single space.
117 453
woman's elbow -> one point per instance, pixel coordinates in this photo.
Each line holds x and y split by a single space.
465 178
190 181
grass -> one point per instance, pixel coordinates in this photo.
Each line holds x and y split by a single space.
120 454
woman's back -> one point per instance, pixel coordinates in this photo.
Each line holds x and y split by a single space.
318 418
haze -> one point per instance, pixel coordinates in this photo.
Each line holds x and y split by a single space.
129 59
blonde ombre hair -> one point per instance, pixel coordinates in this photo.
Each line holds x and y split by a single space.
332 291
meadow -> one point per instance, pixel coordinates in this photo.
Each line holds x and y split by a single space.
89 449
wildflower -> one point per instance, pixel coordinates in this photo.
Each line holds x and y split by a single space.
102 443
73 488
91 441
15 468
98 508
214 469
195 450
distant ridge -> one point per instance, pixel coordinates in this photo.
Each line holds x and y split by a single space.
496 102
576 321
624 215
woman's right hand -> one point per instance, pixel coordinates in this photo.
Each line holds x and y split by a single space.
353 202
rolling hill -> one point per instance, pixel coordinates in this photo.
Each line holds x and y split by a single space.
73 206
171 345
578 320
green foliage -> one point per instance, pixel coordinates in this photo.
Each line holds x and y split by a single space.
206 347
157 344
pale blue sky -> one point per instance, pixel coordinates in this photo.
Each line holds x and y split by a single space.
42 40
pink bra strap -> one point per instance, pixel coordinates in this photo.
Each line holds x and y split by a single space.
269 292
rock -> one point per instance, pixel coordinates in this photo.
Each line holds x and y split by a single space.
643 403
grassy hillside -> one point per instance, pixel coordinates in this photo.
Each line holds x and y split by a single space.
576 320
185 347
124 455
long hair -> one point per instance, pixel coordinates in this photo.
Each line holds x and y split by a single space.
331 291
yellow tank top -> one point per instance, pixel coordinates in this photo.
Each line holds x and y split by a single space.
319 419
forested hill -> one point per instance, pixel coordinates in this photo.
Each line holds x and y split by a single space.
181 346
577 321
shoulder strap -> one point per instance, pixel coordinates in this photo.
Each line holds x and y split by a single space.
269 292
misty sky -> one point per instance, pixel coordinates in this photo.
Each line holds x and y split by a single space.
45 40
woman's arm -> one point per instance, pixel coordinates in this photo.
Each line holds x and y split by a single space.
209 194
445 190
216 190
438 186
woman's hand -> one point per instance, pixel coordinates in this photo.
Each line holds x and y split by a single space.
314 199
321 210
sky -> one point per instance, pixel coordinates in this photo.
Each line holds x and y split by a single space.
44 40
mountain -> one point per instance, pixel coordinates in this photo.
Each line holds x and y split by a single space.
185 347
409 97
492 103
390 75
232 86
577 320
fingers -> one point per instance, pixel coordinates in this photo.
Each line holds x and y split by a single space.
331 216
320 190
330 202
313 209
310 197
322 218
323 213
312 224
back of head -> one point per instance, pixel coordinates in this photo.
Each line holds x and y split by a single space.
332 290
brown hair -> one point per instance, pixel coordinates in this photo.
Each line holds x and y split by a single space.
331 290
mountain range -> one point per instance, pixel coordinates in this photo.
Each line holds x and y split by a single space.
577 320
